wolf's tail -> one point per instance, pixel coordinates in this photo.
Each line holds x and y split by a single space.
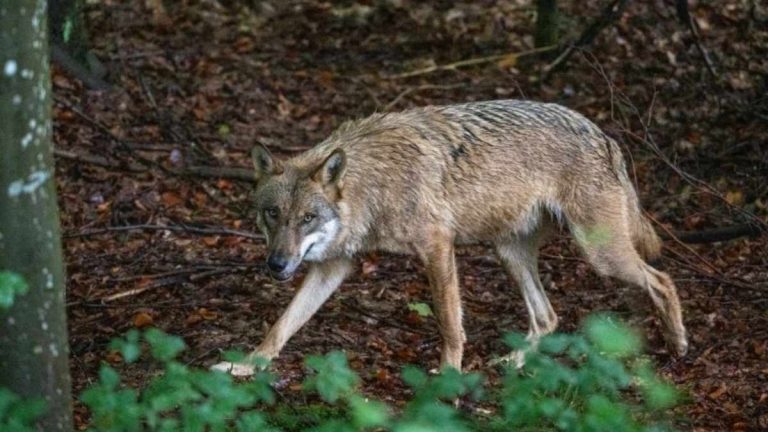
644 237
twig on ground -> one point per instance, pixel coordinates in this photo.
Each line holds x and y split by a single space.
471 62
135 55
718 274
694 181
684 14
168 125
96 160
673 237
206 274
360 81
105 130
609 14
392 323
648 140
410 90
178 278
233 173
139 290
148 93
177 228
203 355
164 274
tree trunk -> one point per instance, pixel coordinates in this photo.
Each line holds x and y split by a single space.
33 332
546 23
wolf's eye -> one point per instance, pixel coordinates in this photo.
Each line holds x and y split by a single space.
309 217
271 212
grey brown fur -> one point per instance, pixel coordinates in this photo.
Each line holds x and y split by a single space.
423 180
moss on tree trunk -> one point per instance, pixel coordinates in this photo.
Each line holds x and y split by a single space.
33 332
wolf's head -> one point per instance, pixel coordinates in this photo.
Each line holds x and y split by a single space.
297 208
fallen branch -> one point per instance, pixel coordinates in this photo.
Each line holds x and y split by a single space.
672 236
72 67
609 14
472 62
717 234
177 228
194 277
233 173
96 160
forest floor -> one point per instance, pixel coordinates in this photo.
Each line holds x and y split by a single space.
202 84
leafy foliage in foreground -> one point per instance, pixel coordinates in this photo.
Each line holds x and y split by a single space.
592 381
16 414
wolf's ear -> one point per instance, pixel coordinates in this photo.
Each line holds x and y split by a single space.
263 162
331 171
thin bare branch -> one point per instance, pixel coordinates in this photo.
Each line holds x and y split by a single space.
472 62
609 14
176 228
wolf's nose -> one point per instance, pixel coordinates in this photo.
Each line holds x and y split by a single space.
277 263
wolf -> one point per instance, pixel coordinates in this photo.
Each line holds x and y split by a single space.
421 181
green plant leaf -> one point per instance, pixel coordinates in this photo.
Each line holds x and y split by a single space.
333 378
422 309
414 377
128 346
164 347
613 338
368 414
108 377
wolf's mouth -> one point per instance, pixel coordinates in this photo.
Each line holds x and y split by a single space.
309 249
280 277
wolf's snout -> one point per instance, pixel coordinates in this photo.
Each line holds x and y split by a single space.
277 263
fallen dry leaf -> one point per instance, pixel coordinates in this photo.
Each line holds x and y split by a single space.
171 199
142 319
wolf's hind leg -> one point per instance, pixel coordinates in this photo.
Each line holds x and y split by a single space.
606 240
519 256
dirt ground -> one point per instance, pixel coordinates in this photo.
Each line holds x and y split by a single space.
200 85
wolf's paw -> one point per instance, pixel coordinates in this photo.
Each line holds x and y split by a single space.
681 347
235 369
515 358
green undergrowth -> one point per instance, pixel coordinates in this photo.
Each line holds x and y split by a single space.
593 380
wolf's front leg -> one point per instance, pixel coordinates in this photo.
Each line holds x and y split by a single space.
321 281
440 263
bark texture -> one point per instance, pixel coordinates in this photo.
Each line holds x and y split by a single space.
33 332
